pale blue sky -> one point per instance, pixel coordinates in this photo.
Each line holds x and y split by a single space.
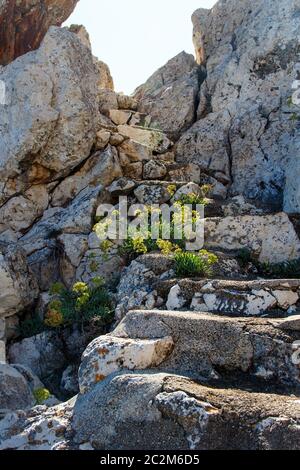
136 37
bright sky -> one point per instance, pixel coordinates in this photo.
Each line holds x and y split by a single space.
136 37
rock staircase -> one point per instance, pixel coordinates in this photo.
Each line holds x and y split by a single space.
192 363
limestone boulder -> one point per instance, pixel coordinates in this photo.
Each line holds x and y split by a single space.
103 167
272 238
15 393
292 175
41 428
20 212
152 194
106 355
43 242
155 140
54 90
170 95
161 411
154 170
42 354
206 144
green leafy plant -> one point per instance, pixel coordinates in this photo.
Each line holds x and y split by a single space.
245 256
287 269
193 199
206 189
194 264
41 395
80 304
171 189
31 327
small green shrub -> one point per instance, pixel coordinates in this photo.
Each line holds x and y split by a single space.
206 189
31 327
41 395
245 256
194 264
193 199
80 305
287 269
172 189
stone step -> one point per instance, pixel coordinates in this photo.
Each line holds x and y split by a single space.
195 345
161 411
262 297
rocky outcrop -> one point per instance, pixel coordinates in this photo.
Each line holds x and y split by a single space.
55 90
227 319
23 24
37 429
246 115
170 95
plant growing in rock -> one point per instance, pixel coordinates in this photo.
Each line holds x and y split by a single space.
206 189
41 395
245 256
171 189
287 269
193 199
79 305
31 327
194 264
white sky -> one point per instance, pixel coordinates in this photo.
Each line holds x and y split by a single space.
136 37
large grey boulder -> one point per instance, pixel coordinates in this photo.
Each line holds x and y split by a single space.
49 117
15 392
161 411
42 354
43 241
170 95
245 114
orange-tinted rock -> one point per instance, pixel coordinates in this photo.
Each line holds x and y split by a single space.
24 23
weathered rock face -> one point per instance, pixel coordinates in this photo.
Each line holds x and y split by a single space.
42 354
18 286
170 95
15 392
272 237
38 429
245 118
23 24
55 90
171 412
292 178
